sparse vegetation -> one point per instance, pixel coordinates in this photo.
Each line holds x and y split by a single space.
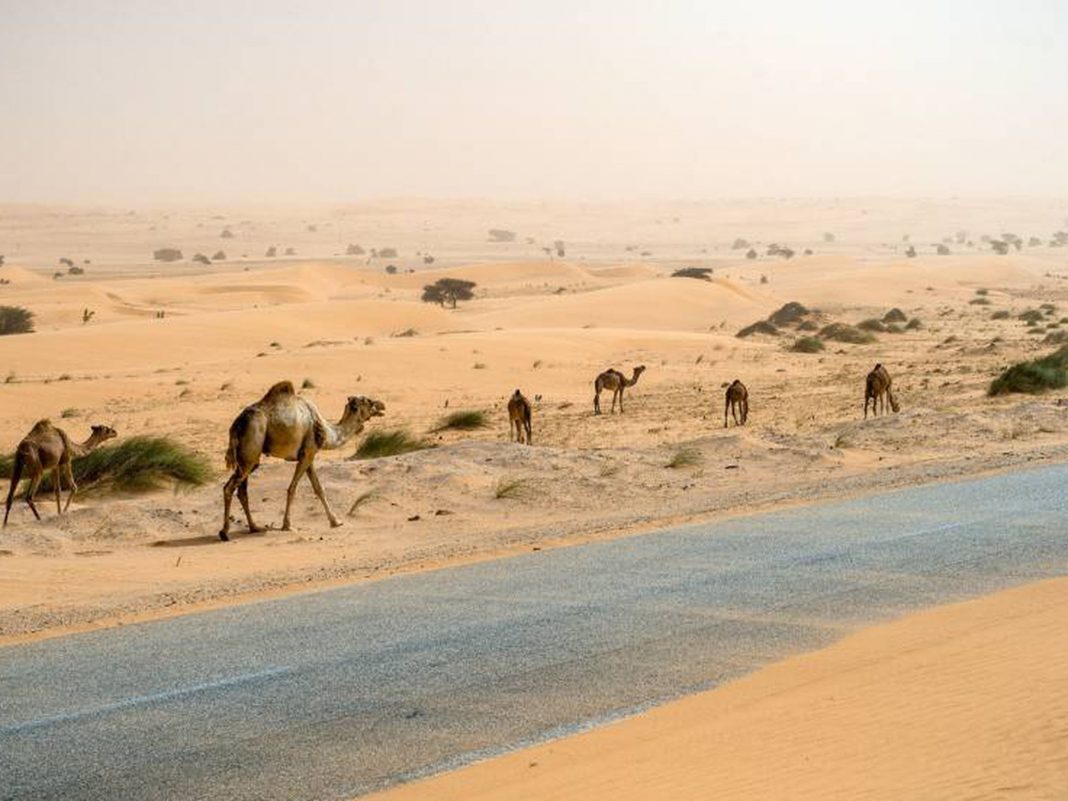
167 254
807 345
200 258
872 325
895 315
759 327
789 314
511 488
15 320
686 456
1000 314
272 251
219 256
448 290
387 253
1039 375
361 499
980 301
751 254
700 273
379 444
469 420
843 332
501 235
354 250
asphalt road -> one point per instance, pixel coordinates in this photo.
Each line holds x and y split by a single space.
331 694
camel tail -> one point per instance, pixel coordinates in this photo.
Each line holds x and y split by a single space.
237 429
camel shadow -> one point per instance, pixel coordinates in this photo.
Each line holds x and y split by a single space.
204 539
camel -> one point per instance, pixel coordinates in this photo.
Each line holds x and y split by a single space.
877 388
737 400
519 416
287 426
616 382
49 448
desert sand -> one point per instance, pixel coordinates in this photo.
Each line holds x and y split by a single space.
539 322
962 701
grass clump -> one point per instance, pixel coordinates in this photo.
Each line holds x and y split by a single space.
469 420
686 456
980 301
361 499
511 488
872 325
1031 316
850 334
807 345
1039 375
138 464
1000 314
378 444
700 273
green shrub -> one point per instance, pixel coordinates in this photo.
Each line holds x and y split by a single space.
807 345
1000 314
1030 316
759 327
842 332
389 443
15 320
138 464
1049 372
463 421
871 325
700 273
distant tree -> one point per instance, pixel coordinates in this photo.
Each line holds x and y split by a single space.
559 247
1013 240
910 251
942 250
428 259
391 269
227 233
354 250
87 315
272 251
828 238
1059 239
739 244
751 254
961 237
448 290
312 229
167 254
999 247
66 262
1034 242
219 256
387 253
1 261
200 258
15 320
501 235
808 252
76 270
291 252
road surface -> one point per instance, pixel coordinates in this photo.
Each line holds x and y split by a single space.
328 695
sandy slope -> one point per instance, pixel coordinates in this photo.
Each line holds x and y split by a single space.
547 325
963 701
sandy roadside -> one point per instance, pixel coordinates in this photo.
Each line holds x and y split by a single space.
968 700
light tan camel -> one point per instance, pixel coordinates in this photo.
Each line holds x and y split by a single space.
287 426
877 388
615 381
519 418
737 401
49 448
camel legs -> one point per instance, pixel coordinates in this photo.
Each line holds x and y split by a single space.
527 426
35 482
69 474
237 478
313 477
242 496
302 467
617 394
597 401
57 489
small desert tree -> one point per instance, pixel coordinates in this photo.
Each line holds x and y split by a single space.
448 290
15 320
167 254
501 235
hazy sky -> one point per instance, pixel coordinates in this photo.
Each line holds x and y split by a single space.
278 101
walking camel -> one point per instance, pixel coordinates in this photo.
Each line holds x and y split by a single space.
615 381
877 390
287 426
49 448
737 401
519 418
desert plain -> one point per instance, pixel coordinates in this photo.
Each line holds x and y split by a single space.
177 349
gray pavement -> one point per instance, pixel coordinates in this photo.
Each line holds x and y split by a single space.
332 694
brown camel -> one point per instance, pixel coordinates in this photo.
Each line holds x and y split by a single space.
737 400
519 417
877 388
49 448
615 381
287 426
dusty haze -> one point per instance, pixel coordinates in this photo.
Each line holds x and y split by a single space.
598 100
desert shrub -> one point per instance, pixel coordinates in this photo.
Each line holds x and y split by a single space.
941 250
227 233
15 320
789 314
272 251
807 345
388 253
1056 338
982 291
828 238
200 258
739 244
1030 316
700 273
895 315
910 251
843 332
290 252
354 250
511 488
378 444
66 262
448 290
1000 314
167 254
501 235
686 456
872 325
751 254
1034 376
391 269
979 301
469 420
428 259
759 327
1034 242
558 246
76 270
998 246
219 256
894 328
307 383
809 325
138 464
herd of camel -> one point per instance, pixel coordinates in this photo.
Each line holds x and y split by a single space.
288 426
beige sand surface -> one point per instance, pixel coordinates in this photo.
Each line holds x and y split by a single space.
544 324
968 701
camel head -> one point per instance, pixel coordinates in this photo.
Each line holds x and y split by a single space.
363 408
638 371
103 433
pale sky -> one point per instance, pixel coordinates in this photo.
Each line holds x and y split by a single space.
346 100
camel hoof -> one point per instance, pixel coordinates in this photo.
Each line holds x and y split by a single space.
224 536
336 523
256 529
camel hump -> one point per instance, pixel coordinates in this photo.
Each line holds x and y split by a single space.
41 426
279 390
